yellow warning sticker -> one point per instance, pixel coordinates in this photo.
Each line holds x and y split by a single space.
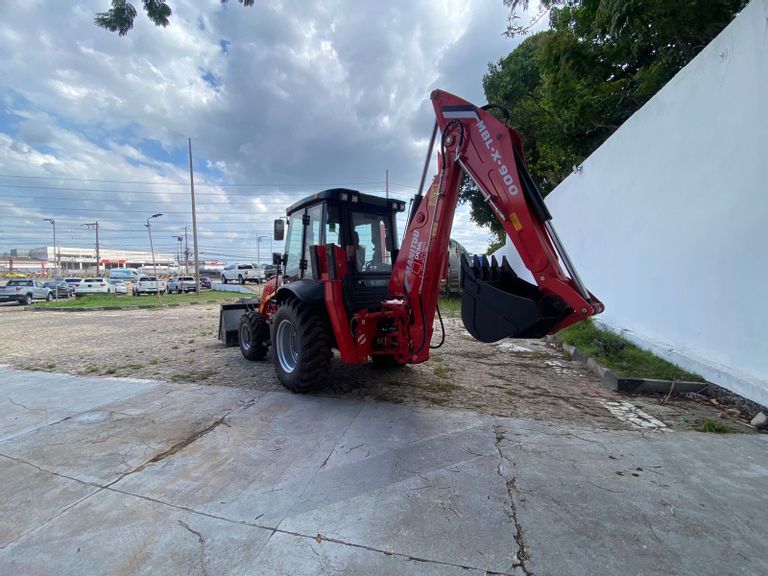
515 222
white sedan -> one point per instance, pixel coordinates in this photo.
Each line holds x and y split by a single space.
94 286
119 287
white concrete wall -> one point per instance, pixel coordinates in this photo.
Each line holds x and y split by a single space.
667 222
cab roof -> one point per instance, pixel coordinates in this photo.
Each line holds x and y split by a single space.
347 195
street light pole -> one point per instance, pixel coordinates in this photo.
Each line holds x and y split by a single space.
258 248
178 250
152 247
55 263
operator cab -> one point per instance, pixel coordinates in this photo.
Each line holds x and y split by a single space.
365 226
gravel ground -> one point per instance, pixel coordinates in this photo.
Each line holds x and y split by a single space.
521 378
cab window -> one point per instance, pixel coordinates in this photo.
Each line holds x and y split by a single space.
369 242
293 246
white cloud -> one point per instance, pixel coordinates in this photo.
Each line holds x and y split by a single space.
298 95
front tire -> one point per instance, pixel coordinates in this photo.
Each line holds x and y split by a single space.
49 298
223 279
253 336
241 280
301 346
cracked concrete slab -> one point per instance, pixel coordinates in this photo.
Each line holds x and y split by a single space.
31 497
301 556
126 433
211 480
28 404
254 468
603 503
113 533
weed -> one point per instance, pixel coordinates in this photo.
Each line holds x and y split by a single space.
154 362
620 355
193 376
131 366
50 366
450 306
714 426
111 370
442 372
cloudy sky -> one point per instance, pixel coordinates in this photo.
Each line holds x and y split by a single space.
281 100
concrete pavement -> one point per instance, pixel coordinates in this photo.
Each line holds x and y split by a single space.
116 476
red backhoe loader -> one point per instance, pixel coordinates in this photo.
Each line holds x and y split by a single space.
346 285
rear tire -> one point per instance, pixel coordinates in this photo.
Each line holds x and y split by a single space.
301 346
241 280
253 336
26 300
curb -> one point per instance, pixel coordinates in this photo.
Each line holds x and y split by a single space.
630 384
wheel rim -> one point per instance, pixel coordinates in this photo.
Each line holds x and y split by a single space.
245 337
287 350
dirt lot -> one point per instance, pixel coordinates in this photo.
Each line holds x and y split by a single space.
521 378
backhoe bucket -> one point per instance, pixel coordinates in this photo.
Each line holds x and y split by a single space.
497 304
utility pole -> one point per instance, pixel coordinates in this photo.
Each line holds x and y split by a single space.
386 176
98 257
152 247
194 221
55 262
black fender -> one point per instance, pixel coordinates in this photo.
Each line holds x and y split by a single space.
306 290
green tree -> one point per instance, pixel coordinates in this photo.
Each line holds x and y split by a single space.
570 87
119 18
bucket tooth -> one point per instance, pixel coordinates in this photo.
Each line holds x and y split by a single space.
494 269
497 304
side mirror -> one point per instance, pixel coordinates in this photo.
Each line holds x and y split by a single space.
277 258
279 230
390 242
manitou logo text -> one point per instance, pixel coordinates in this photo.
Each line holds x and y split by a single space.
502 169
414 253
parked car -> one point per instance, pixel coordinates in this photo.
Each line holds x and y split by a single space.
242 273
119 286
270 270
205 282
148 285
73 282
94 286
24 291
181 284
60 288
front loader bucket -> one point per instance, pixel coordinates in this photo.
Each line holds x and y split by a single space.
497 304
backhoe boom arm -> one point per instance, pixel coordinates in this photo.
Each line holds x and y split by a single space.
496 303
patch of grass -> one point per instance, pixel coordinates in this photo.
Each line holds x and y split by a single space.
450 306
128 301
154 362
442 372
50 366
131 366
620 355
193 376
714 426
